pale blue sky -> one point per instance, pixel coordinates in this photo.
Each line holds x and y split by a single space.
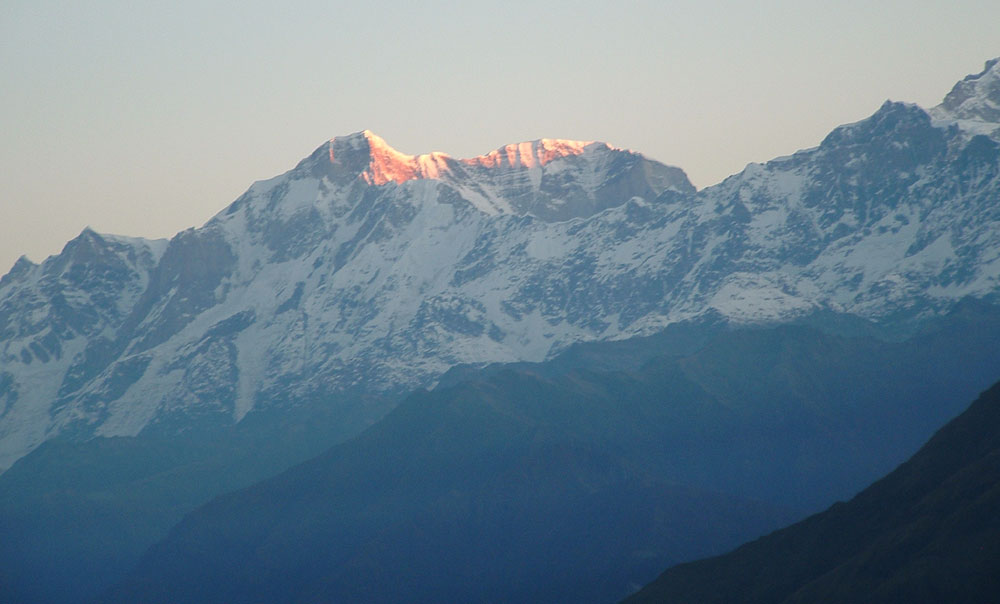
146 118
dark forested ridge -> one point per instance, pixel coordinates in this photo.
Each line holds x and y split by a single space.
927 532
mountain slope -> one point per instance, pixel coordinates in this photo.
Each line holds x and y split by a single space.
526 485
459 496
81 513
927 532
52 319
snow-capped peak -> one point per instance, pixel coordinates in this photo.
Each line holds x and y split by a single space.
534 153
974 102
551 179
378 163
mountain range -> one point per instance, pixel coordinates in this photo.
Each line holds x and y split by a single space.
366 270
145 377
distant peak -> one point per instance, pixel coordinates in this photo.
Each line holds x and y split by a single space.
23 264
88 235
534 153
21 268
992 66
976 97
363 140
366 155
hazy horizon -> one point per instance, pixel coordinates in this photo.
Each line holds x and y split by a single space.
146 121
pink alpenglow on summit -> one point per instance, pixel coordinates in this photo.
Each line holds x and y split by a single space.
551 179
389 165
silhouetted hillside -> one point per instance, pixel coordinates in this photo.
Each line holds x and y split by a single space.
927 532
